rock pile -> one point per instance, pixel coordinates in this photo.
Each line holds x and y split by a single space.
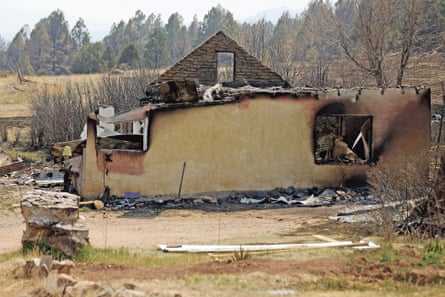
52 219
56 281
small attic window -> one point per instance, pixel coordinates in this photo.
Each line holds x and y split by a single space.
225 64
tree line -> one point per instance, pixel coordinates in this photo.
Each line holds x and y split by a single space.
318 47
301 48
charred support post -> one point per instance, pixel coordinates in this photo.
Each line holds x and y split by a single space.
182 179
439 137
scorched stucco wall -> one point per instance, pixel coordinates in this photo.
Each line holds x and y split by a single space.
256 144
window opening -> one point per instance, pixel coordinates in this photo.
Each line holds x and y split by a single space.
127 135
225 67
343 139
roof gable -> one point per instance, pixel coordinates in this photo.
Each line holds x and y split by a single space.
201 65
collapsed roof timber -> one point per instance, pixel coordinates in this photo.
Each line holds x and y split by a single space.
249 131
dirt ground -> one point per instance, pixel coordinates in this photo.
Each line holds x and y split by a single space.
256 276
141 230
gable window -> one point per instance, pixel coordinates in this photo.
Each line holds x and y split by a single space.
225 67
343 139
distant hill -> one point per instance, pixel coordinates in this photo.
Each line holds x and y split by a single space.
270 15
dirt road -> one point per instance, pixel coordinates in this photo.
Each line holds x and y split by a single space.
142 230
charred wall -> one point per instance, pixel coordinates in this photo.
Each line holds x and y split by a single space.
256 144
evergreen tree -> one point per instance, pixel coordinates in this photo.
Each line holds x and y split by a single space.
16 53
217 19
38 48
61 44
108 58
183 45
137 28
173 30
80 35
193 32
129 56
155 52
89 59
116 39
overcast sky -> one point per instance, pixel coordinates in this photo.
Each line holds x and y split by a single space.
100 15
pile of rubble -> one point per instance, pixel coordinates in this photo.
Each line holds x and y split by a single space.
52 219
277 198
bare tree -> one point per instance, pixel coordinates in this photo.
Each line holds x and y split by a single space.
282 48
407 17
366 43
59 113
374 29
401 187
256 37
315 46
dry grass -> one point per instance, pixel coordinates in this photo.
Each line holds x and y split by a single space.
14 99
15 96
322 272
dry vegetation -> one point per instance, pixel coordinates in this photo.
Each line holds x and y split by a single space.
402 267
15 96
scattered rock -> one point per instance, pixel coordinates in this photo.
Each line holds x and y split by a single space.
105 292
82 288
129 286
63 266
122 292
209 199
64 280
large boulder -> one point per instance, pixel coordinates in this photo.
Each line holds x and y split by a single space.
53 218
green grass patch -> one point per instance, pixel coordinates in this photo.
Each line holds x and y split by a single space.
5 257
41 247
433 254
125 256
388 255
38 156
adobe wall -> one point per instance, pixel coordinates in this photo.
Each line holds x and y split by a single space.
256 144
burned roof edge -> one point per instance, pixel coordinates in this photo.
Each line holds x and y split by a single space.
234 95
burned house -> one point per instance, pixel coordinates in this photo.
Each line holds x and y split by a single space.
223 121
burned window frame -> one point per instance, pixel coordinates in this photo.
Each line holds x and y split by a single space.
225 59
343 139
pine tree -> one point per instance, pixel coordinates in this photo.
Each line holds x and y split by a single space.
129 56
80 35
155 52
